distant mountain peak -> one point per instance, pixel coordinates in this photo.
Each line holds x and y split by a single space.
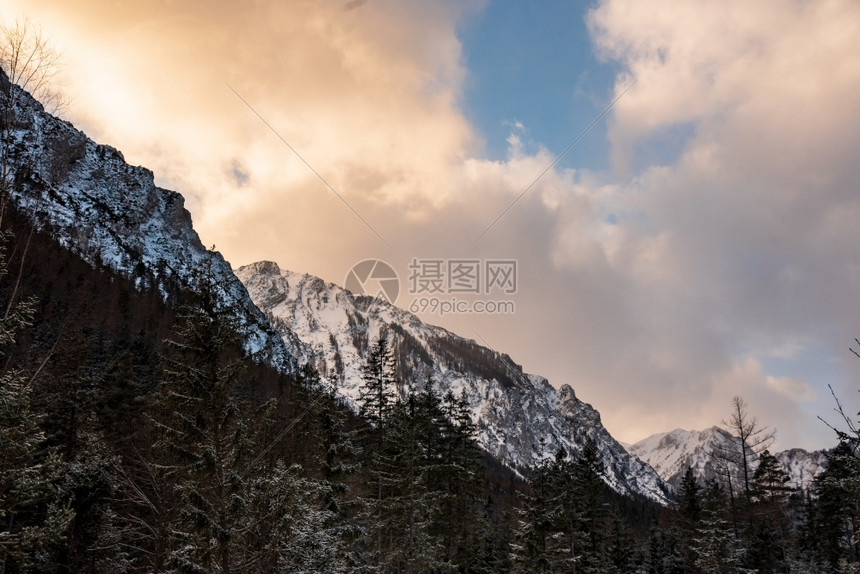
671 453
521 418
111 213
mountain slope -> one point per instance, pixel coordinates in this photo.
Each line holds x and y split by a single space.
111 213
521 417
671 453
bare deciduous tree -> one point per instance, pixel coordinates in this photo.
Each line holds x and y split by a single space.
850 434
751 439
32 63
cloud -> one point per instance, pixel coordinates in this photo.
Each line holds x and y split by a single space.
740 244
658 291
375 86
795 389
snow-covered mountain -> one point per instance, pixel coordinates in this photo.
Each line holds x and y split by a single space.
801 465
521 417
111 213
671 453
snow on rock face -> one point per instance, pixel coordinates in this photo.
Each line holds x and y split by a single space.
521 418
671 453
802 466
112 213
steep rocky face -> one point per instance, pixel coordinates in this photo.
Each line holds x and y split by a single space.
521 417
111 213
802 466
671 453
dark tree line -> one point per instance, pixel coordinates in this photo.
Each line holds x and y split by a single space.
749 520
136 437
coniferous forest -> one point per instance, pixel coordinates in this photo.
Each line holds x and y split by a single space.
136 437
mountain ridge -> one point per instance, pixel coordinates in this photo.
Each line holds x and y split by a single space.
521 418
671 453
111 213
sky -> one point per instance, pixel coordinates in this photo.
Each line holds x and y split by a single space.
677 182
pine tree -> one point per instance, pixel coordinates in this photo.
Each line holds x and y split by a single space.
563 522
202 426
832 512
376 405
689 511
32 516
716 547
769 481
690 500
376 395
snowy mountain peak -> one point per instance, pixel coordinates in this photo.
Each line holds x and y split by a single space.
565 393
113 214
671 453
521 418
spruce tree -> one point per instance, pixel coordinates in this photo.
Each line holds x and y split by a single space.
769 482
833 509
292 527
690 511
377 392
715 545
543 536
336 455
563 523
690 504
95 540
201 426
717 549
462 519
236 508
664 553
32 516
589 485
411 504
